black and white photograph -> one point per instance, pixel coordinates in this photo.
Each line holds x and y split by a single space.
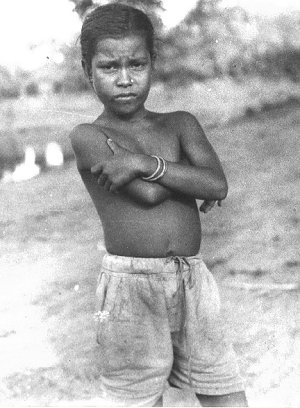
149 203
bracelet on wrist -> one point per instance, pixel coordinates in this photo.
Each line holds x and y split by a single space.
156 171
163 170
159 171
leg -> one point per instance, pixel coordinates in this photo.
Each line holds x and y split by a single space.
159 403
135 353
236 399
203 359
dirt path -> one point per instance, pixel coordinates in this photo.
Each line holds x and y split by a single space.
49 263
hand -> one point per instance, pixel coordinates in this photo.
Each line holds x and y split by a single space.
208 205
117 170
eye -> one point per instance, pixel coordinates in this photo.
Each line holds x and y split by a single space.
137 65
108 67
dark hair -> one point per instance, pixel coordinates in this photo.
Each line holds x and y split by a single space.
114 21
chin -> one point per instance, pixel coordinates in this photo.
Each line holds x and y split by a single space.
126 111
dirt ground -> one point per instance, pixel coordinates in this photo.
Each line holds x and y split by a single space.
49 262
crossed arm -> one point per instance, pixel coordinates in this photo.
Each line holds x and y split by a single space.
120 170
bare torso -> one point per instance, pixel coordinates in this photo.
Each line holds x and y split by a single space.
133 229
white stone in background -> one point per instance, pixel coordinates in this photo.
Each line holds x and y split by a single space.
54 154
25 170
101 246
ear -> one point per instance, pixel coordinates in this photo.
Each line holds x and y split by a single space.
153 59
86 69
153 70
87 72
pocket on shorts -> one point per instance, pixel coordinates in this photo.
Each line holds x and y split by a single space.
101 292
205 324
106 294
120 345
117 302
209 292
131 326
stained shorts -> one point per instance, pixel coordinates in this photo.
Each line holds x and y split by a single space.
158 320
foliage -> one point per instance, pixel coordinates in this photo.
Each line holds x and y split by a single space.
204 11
82 6
151 7
71 77
211 42
9 87
32 89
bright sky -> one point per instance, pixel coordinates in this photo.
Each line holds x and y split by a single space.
26 22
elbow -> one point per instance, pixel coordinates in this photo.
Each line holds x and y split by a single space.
153 197
222 194
222 190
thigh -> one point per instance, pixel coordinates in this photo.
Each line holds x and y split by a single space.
235 399
203 359
132 332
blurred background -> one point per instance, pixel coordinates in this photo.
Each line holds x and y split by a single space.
240 56
235 64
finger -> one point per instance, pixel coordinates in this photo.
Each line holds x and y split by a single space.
107 185
96 169
113 189
102 180
202 207
205 208
110 144
207 205
114 147
208 208
219 203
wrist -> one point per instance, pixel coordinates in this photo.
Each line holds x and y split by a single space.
160 170
148 164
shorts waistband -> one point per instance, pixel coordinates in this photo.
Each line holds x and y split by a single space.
137 265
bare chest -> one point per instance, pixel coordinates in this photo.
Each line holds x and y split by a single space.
161 142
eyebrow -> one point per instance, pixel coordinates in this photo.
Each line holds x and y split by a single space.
138 58
107 60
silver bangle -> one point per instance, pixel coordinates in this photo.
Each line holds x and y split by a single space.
157 170
163 170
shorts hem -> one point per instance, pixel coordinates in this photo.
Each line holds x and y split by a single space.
119 401
217 391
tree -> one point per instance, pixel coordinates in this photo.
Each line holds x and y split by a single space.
9 87
203 11
81 6
152 6
191 46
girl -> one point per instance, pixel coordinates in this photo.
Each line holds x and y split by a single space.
157 304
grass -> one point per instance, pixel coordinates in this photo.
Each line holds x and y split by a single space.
38 121
50 262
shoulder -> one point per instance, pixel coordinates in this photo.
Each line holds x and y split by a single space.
82 132
185 124
181 119
186 118
88 142
86 134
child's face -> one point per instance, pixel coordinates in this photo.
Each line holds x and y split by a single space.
121 74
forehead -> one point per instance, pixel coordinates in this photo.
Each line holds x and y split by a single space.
127 47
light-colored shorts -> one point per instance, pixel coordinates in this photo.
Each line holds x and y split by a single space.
158 320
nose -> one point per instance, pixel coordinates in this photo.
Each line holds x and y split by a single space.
124 78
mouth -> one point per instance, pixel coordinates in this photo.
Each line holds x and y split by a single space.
125 97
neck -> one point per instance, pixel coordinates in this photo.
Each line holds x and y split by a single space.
128 118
